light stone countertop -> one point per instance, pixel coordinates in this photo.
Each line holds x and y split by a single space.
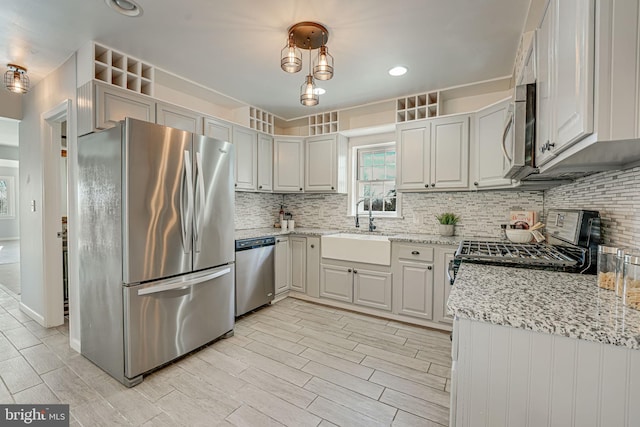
565 304
273 231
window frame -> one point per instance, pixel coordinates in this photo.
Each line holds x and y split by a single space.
11 195
353 181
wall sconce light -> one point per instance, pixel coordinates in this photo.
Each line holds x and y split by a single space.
16 79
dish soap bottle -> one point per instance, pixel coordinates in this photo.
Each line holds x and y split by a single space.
281 213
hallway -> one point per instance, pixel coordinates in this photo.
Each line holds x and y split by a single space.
10 266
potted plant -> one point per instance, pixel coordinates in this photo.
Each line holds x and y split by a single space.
447 221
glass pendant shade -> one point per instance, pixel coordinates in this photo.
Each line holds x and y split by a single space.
323 65
16 79
308 95
291 58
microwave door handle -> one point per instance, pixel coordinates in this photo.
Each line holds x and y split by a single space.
504 136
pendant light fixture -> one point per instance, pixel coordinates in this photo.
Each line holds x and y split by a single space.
308 95
16 79
311 36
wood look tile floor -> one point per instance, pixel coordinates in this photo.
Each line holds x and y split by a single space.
293 363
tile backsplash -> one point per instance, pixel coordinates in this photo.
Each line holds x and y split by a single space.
256 210
481 212
615 194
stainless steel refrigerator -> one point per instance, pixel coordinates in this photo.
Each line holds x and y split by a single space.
156 245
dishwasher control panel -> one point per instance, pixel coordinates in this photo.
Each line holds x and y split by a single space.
245 244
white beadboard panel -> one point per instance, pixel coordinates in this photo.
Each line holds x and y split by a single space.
511 377
588 361
615 194
563 382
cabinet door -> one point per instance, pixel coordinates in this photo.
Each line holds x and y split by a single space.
320 164
298 263
178 117
313 266
218 129
245 142
489 160
544 104
414 293
372 289
288 165
413 142
442 285
336 282
265 162
574 68
113 105
450 152
283 263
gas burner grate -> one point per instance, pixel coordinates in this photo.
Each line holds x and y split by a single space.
534 254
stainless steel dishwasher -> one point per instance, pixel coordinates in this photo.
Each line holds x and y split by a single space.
255 281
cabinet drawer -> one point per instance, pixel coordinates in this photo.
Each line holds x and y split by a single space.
417 253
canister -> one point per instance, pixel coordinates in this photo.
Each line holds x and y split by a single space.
619 272
607 267
631 273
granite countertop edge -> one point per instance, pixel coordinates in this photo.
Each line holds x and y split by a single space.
564 304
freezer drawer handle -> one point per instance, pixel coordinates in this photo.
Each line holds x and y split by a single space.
181 283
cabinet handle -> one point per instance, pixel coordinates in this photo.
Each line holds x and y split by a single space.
313 246
349 271
300 188
236 184
429 268
415 253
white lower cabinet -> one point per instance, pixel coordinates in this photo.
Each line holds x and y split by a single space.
414 289
356 283
298 248
282 265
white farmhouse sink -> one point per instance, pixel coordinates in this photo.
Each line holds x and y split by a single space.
367 248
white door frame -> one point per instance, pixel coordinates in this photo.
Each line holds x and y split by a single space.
51 221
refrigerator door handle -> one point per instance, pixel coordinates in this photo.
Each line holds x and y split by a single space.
199 205
182 282
186 217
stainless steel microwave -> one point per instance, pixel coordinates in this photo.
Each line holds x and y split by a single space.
519 137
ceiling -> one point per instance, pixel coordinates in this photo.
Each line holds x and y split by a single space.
233 47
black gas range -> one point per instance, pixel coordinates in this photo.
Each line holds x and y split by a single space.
573 237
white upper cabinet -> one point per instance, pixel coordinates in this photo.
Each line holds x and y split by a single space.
218 129
450 152
265 162
544 101
326 163
573 89
178 117
413 145
488 158
288 164
245 142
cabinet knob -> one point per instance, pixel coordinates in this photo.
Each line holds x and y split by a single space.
260 187
349 271
426 186
433 185
429 268
300 188
236 184
415 253
475 183
332 188
313 246
355 271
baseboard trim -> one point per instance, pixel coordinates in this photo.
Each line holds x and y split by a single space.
2 239
74 343
34 315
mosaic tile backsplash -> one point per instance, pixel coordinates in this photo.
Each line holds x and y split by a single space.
616 195
481 212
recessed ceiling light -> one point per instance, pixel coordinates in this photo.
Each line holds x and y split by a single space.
125 7
319 91
398 71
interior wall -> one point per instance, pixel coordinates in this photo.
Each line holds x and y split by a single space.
9 152
55 88
10 227
616 195
10 105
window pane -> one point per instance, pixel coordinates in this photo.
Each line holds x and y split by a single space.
390 172
390 158
365 174
366 159
378 158
378 172
390 204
